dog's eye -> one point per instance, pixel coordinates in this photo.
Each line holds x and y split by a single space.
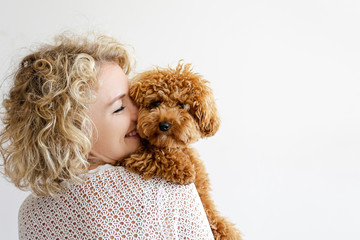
182 105
154 104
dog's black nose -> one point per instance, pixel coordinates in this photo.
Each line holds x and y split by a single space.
164 126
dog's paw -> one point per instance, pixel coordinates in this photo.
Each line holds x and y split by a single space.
140 164
185 176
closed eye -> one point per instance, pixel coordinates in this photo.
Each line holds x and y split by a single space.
119 109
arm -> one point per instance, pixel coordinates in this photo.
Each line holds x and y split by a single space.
181 213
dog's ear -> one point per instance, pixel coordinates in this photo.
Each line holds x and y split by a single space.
206 113
135 92
137 88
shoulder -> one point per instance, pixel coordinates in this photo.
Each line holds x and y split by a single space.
119 179
108 200
109 181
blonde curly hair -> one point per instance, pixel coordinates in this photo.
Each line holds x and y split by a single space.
47 132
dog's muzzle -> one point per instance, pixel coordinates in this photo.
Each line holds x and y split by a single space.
164 126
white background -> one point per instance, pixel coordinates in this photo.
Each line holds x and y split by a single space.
285 162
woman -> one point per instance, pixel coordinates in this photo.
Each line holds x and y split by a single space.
68 119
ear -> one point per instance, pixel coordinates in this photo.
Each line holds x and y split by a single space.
206 113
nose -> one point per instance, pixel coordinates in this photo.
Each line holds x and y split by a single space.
164 126
133 112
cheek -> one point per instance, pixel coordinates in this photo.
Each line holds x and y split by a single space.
120 125
110 129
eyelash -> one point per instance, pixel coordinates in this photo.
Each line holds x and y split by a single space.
120 109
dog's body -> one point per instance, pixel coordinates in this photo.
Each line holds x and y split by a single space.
176 108
172 164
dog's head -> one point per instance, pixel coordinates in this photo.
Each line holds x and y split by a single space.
176 106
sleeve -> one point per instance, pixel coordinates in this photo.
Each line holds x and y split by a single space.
180 213
157 209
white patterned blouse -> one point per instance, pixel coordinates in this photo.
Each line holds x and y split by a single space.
114 203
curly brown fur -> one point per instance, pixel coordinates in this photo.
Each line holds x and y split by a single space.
176 108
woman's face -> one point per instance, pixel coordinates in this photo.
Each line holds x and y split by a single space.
114 116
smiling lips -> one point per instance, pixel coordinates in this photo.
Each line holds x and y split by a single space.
132 133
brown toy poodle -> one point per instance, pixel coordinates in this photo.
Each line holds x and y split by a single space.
176 108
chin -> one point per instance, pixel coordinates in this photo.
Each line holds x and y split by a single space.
134 146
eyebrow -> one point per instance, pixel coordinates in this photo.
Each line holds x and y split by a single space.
115 99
